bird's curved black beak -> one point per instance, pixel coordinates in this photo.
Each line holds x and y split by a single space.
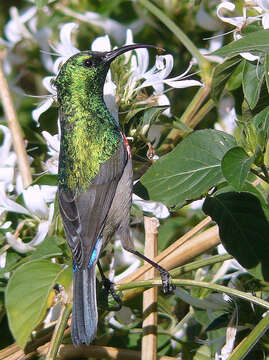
111 55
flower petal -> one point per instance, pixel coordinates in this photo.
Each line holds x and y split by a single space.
18 244
44 106
35 202
10 205
156 208
181 84
101 43
42 230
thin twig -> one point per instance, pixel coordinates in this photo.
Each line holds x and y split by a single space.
182 250
14 127
60 327
150 296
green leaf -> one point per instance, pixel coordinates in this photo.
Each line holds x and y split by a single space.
146 117
221 75
46 249
235 167
252 82
243 228
266 70
27 296
47 179
190 170
235 79
261 120
255 41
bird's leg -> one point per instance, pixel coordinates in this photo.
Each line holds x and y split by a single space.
109 287
168 288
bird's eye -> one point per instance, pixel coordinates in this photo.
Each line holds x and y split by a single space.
88 63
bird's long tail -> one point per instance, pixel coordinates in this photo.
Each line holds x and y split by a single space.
84 313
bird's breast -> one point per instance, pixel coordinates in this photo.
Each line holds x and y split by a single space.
84 147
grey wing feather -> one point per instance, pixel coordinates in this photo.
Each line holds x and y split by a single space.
84 213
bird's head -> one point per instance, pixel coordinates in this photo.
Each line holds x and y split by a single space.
88 69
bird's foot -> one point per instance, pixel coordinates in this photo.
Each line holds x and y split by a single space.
167 287
109 288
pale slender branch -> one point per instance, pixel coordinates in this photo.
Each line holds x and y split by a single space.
104 352
150 296
14 352
182 250
14 127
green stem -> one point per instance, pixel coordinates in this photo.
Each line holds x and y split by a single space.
204 64
199 264
59 331
254 171
186 118
201 284
208 106
247 344
188 268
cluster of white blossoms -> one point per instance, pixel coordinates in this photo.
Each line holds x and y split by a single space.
261 7
38 208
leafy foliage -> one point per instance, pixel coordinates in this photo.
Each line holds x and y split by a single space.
189 143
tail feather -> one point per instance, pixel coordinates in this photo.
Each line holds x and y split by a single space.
84 314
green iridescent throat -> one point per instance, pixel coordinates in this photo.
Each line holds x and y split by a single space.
89 133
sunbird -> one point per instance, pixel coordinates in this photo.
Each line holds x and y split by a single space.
95 179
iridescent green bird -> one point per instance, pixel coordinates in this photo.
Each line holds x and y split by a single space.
95 179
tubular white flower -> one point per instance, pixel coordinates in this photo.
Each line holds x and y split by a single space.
102 43
34 201
237 21
7 159
156 208
15 29
65 47
157 76
7 204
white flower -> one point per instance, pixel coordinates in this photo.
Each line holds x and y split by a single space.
7 159
15 30
239 22
46 104
35 198
102 43
53 143
158 209
157 76
65 48
263 8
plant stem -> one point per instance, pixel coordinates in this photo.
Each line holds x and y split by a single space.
186 118
14 127
199 264
204 64
59 331
184 282
251 340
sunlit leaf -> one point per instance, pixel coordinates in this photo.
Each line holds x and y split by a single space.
27 296
190 170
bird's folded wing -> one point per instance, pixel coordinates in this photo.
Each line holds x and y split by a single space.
84 213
